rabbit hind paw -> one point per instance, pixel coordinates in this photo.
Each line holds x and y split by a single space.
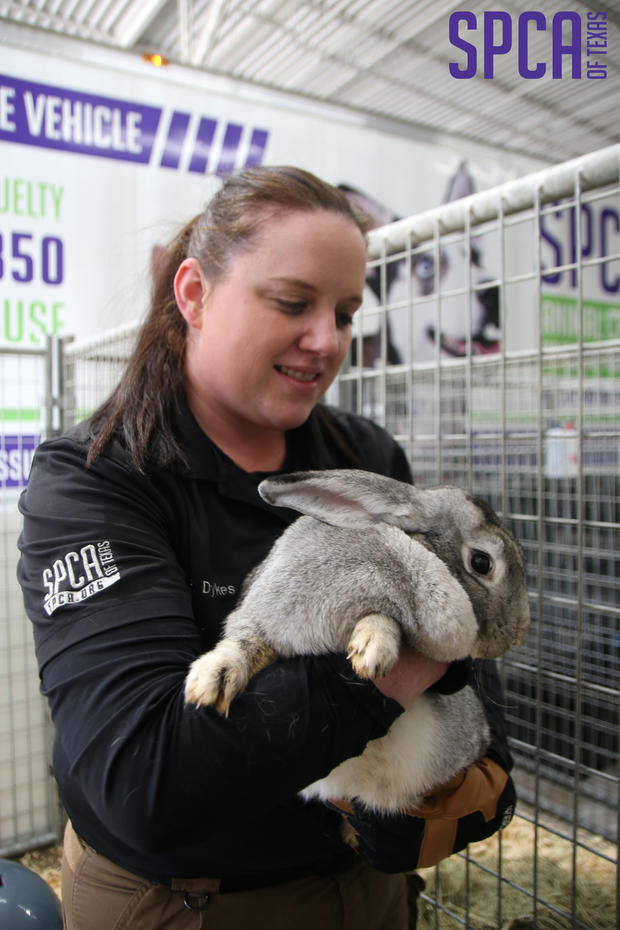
216 677
374 645
348 834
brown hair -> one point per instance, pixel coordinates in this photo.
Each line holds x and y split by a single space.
141 406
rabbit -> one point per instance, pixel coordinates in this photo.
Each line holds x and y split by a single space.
374 562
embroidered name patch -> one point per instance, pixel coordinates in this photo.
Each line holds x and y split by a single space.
80 574
218 590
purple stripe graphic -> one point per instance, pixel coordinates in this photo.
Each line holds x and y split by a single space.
53 117
202 147
229 149
176 137
258 143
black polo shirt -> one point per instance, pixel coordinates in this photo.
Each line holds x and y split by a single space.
127 579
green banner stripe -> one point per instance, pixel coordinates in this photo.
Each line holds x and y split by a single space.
600 320
27 414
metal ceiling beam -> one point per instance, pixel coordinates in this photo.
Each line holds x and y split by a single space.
135 20
43 19
206 39
184 18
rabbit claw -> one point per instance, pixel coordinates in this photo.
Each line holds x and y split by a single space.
216 678
374 645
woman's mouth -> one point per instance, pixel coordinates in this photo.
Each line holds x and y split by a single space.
307 377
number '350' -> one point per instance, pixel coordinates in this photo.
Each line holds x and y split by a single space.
24 258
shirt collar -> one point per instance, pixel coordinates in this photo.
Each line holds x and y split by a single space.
207 462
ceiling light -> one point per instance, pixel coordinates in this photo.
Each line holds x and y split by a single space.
156 59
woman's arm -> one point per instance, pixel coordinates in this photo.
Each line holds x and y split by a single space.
114 650
472 806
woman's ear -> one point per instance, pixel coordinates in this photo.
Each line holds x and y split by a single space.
190 288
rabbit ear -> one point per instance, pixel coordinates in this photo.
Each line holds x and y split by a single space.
348 498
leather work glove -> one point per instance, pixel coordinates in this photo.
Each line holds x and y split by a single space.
470 807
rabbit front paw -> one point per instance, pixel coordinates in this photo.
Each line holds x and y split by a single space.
374 645
217 677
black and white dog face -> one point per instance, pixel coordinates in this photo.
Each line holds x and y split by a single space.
431 271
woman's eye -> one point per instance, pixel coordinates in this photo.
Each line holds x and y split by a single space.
344 319
291 306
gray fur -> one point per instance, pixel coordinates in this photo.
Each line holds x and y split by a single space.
371 561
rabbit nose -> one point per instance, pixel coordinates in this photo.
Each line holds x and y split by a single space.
522 631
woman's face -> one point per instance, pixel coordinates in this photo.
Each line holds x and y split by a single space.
267 339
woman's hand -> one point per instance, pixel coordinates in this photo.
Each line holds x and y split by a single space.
410 676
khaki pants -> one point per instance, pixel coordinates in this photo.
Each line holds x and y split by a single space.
98 895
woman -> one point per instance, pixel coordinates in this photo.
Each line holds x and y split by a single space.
139 527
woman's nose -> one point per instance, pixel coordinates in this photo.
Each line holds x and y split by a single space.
321 335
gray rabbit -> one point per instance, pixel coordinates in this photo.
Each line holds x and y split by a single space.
373 562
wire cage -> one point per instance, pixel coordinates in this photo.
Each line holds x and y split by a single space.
489 346
29 813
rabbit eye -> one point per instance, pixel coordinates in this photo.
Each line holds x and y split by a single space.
481 562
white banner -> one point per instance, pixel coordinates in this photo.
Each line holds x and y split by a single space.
91 182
